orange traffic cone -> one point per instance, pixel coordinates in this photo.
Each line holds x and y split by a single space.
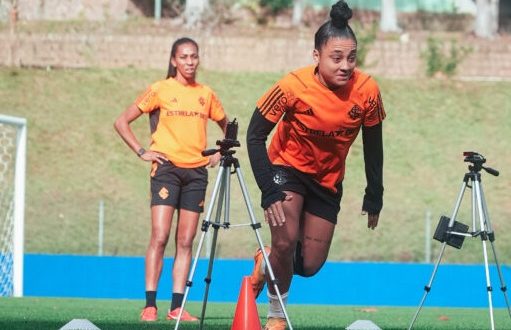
246 316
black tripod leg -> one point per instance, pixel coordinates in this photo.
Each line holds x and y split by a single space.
503 286
256 227
491 237
205 227
216 225
484 238
207 279
427 288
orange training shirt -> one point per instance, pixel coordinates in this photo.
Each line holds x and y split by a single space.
178 116
319 125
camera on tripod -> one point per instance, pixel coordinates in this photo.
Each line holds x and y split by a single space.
231 132
229 141
231 136
477 161
474 157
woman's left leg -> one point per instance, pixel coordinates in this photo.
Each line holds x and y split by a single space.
194 183
186 229
314 244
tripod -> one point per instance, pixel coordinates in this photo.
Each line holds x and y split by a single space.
221 194
450 232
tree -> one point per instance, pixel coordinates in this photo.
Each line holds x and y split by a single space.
487 18
13 59
388 19
298 7
194 10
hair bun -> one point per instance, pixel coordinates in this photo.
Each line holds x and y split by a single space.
340 14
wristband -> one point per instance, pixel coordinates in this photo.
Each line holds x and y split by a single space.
271 197
140 152
372 206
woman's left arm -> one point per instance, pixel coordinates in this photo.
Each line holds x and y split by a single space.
215 158
222 123
373 156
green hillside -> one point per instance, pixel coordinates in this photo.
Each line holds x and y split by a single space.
76 160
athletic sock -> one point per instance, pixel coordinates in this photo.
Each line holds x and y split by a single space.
274 309
150 299
177 300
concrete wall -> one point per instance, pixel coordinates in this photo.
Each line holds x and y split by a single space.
393 58
58 10
102 9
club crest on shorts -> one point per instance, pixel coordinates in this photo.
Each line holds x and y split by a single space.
280 177
164 193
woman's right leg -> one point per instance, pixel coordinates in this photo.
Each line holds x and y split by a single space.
161 221
283 243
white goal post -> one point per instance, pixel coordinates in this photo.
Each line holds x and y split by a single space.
13 146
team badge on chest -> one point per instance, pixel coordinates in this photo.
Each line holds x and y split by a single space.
355 112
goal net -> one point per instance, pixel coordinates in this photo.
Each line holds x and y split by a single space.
13 142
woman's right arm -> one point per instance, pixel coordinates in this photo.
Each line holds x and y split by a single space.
257 133
268 112
122 126
271 193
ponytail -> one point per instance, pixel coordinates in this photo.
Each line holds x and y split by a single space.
172 71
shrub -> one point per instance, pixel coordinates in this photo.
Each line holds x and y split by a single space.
437 61
365 38
275 6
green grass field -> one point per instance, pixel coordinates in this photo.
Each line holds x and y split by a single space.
75 159
46 313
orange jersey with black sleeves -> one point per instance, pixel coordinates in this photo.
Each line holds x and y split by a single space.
319 125
178 116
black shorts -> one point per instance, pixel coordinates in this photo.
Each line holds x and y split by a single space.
182 188
317 199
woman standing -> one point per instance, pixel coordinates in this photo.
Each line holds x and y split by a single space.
179 108
318 112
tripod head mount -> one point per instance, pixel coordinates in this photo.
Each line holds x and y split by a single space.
230 141
477 161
